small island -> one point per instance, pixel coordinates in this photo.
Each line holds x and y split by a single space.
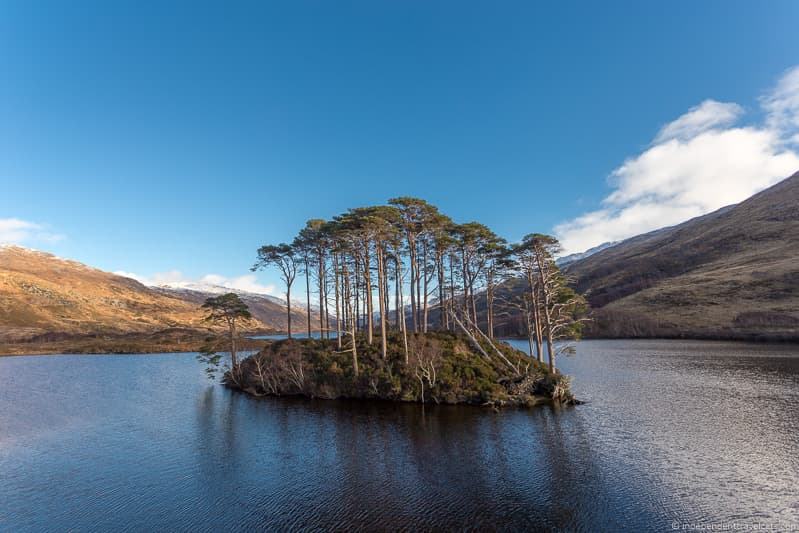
466 284
444 367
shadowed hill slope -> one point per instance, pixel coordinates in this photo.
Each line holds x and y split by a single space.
733 273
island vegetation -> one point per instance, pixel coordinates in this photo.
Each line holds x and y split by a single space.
398 287
443 367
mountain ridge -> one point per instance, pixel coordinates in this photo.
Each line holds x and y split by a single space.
732 273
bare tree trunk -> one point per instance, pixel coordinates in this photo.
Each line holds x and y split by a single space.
550 347
451 291
357 315
234 364
364 310
494 347
327 308
536 319
426 279
489 318
471 337
490 302
367 273
353 332
474 305
441 301
412 252
465 286
403 326
321 274
381 295
344 311
338 304
385 288
288 306
538 332
527 320
398 281
547 318
308 295
418 312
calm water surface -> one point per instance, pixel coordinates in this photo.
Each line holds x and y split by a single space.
674 434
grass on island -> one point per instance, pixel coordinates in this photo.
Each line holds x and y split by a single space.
443 367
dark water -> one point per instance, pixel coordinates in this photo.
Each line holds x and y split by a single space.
683 433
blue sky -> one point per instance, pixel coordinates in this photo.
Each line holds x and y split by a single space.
151 139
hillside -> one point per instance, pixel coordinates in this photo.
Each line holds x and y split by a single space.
733 273
268 310
43 295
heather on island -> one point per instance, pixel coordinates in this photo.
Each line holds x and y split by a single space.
443 367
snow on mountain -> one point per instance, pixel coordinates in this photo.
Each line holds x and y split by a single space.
209 288
571 258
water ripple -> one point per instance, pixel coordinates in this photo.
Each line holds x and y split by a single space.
691 432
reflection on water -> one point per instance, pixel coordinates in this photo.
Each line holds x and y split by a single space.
673 431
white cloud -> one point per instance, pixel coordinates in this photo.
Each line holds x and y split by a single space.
132 275
171 277
208 283
782 106
708 115
247 282
698 163
16 231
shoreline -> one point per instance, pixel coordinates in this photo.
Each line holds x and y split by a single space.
175 340
90 345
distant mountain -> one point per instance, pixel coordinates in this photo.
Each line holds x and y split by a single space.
211 289
733 273
267 309
571 258
41 294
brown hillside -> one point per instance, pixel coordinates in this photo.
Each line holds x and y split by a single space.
270 311
41 294
731 274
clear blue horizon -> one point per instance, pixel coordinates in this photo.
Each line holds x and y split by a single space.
152 139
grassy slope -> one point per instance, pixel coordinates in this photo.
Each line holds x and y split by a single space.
730 274
40 293
43 297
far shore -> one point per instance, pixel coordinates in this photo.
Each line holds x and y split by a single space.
190 341
175 340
